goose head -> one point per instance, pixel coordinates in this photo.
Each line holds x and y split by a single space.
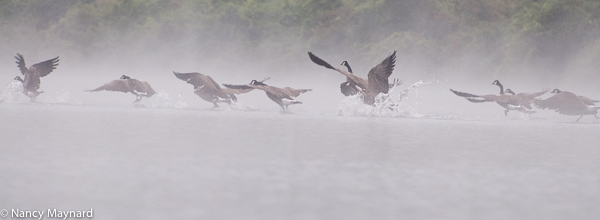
509 91
18 78
345 63
125 77
257 83
556 91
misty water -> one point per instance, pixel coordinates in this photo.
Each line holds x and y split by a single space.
173 157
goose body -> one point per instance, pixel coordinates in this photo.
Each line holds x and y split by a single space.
567 103
282 96
376 83
126 84
32 75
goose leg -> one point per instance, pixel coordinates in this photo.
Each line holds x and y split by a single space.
577 121
215 105
506 112
137 99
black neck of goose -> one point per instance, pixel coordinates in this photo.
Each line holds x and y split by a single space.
501 88
348 66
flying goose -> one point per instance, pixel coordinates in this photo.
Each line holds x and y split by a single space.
126 84
567 103
206 88
282 96
509 102
377 78
31 83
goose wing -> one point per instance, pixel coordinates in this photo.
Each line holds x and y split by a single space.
378 75
348 88
587 100
237 89
565 103
21 63
476 98
294 92
117 85
44 68
196 79
529 96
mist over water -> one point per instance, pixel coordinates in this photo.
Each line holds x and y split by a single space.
420 152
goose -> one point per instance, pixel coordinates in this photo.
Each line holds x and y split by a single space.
567 103
206 88
126 84
31 83
509 102
377 81
282 96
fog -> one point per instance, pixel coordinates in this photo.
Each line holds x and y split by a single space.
250 156
148 41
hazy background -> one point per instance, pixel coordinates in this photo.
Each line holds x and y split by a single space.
464 45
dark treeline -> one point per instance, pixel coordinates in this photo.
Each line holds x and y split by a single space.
551 38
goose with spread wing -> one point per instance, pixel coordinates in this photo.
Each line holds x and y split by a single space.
126 84
567 103
376 83
508 102
32 75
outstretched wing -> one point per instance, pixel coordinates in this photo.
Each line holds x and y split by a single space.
21 63
44 68
195 79
240 87
378 75
320 61
475 98
587 100
529 96
118 85
294 92
237 89
565 103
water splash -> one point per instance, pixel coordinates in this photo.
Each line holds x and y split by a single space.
162 100
180 102
12 92
385 104
63 97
